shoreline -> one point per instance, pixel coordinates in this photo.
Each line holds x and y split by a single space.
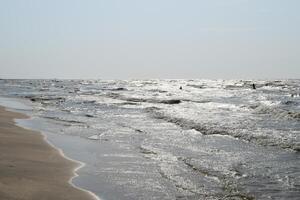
30 164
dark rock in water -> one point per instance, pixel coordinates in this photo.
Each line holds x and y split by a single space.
138 130
89 102
88 115
119 89
172 101
33 99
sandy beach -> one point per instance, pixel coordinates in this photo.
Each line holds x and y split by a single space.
30 168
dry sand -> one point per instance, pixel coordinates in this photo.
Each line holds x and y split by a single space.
31 169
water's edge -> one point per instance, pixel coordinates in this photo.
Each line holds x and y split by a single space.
22 123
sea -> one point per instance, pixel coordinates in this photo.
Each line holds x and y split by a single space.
170 139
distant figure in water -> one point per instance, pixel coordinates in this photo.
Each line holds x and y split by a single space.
180 88
253 86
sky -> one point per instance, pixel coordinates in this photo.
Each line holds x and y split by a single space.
142 39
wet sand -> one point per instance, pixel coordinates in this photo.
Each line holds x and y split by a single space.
30 168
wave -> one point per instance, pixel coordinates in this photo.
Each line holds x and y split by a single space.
196 86
264 139
277 112
166 101
71 122
226 180
41 99
157 90
141 100
115 89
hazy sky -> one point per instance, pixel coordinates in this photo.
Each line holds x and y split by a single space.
149 39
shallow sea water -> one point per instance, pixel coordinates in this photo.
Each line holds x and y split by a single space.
148 139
